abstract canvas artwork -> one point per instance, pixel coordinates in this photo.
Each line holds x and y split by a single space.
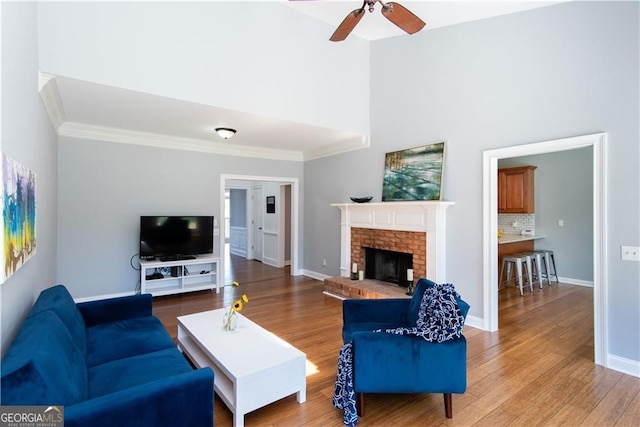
18 215
414 173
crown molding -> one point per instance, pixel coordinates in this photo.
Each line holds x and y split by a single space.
351 144
109 134
52 101
50 96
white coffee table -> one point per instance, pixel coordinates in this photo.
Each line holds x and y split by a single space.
252 366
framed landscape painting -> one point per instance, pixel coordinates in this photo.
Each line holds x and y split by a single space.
414 173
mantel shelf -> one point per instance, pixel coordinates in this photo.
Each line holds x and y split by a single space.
414 216
399 205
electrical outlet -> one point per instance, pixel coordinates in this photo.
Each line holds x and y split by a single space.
630 253
561 223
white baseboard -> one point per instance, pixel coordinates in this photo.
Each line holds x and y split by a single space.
315 275
474 322
238 251
570 281
621 364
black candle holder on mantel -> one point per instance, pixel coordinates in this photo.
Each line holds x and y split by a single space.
410 287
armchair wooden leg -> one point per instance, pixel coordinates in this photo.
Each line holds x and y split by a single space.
360 404
448 405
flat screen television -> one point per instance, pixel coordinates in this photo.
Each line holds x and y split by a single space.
175 237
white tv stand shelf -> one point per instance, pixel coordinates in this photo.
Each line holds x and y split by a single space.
176 277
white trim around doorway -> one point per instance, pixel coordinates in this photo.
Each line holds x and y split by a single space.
490 229
295 197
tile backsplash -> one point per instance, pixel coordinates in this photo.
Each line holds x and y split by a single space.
505 223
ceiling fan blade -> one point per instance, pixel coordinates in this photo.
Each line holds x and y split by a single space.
347 25
402 17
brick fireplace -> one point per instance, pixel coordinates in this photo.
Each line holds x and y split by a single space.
412 242
415 227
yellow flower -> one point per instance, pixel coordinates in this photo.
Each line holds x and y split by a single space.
235 284
245 299
237 306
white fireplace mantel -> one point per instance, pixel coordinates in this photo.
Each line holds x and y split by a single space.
428 217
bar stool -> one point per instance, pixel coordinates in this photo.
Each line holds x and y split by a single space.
549 261
517 261
537 258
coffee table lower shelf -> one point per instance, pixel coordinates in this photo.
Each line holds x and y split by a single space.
252 366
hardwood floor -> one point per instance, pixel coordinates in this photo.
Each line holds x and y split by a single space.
537 370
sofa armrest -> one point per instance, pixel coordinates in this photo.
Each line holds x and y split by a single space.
180 401
375 310
114 309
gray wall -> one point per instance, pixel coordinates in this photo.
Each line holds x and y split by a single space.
104 188
28 138
564 191
559 71
238 205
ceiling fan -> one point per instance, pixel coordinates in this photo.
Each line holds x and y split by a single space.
394 12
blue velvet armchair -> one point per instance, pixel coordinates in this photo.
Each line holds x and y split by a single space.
388 363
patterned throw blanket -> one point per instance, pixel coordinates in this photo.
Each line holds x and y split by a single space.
439 320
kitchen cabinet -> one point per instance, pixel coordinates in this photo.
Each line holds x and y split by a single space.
516 190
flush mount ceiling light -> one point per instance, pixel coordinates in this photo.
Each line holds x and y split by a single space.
225 133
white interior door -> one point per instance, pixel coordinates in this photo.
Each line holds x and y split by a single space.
257 223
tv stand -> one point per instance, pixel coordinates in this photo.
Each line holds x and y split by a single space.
177 258
179 275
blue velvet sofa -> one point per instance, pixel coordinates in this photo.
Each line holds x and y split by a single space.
109 363
388 363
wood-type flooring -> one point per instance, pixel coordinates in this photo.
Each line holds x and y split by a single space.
537 369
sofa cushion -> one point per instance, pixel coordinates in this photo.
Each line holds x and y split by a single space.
43 366
125 338
137 370
58 299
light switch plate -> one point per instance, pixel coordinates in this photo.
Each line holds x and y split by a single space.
630 253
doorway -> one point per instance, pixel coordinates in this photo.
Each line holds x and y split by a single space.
257 236
490 229
291 233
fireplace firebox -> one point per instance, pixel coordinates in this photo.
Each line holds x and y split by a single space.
388 266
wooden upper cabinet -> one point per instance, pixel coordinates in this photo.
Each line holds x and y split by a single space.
516 190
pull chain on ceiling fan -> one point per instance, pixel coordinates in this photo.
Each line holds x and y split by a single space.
394 12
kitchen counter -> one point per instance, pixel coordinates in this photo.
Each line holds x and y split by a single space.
513 238
510 244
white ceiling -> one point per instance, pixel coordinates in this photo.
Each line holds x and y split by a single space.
435 14
89 110
95 111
